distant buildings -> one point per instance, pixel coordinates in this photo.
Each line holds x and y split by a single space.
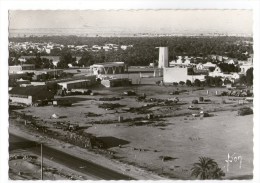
46 74
182 61
217 58
184 68
209 65
49 48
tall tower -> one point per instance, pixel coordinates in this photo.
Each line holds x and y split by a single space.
163 57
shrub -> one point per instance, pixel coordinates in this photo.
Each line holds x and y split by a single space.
188 82
182 83
245 111
197 82
175 84
195 101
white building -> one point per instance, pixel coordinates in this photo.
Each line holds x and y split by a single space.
22 59
216 73
76 84
230 61
19 68
47 50
245 67
209 65
108 68
181 61
177 74
200 66
97 47
123 47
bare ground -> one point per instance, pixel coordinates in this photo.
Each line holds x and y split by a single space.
175 133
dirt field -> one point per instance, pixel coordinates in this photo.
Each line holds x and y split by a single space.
171 132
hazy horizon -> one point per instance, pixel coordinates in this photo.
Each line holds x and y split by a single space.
129 22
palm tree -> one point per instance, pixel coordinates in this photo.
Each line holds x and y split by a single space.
217 173
206 168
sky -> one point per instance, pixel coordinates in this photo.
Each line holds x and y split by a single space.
130 22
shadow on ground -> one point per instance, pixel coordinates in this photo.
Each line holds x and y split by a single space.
112 141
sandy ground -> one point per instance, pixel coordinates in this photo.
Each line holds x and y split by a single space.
186 140
180 136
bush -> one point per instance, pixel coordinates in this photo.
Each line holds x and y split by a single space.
175 84
245 111
197 82
201 99
188 82
195 101
182 83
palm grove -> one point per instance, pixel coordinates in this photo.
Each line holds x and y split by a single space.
142 53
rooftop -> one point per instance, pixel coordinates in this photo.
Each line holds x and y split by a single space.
108 64
75 81
37 92
22 65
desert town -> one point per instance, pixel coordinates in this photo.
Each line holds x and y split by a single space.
135 120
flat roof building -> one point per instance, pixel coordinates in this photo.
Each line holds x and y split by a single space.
76 84
108 68
29 95
19 68
177 74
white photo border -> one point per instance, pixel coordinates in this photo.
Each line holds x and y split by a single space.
116 5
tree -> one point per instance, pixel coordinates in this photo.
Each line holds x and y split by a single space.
181 83
225 67
249 76
242 80
86 59
206 168
218 81
65 59
53 87
175 83
197 82
188 82
209 81
46 63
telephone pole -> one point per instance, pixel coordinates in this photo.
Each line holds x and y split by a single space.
41 164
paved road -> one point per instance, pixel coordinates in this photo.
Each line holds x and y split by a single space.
75 163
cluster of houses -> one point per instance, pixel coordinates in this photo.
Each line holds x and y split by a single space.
174 71
47 48
40 47
191 61
179 69
106 47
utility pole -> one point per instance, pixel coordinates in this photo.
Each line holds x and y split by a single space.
54 71
41 164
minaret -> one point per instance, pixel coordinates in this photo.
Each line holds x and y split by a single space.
163 57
